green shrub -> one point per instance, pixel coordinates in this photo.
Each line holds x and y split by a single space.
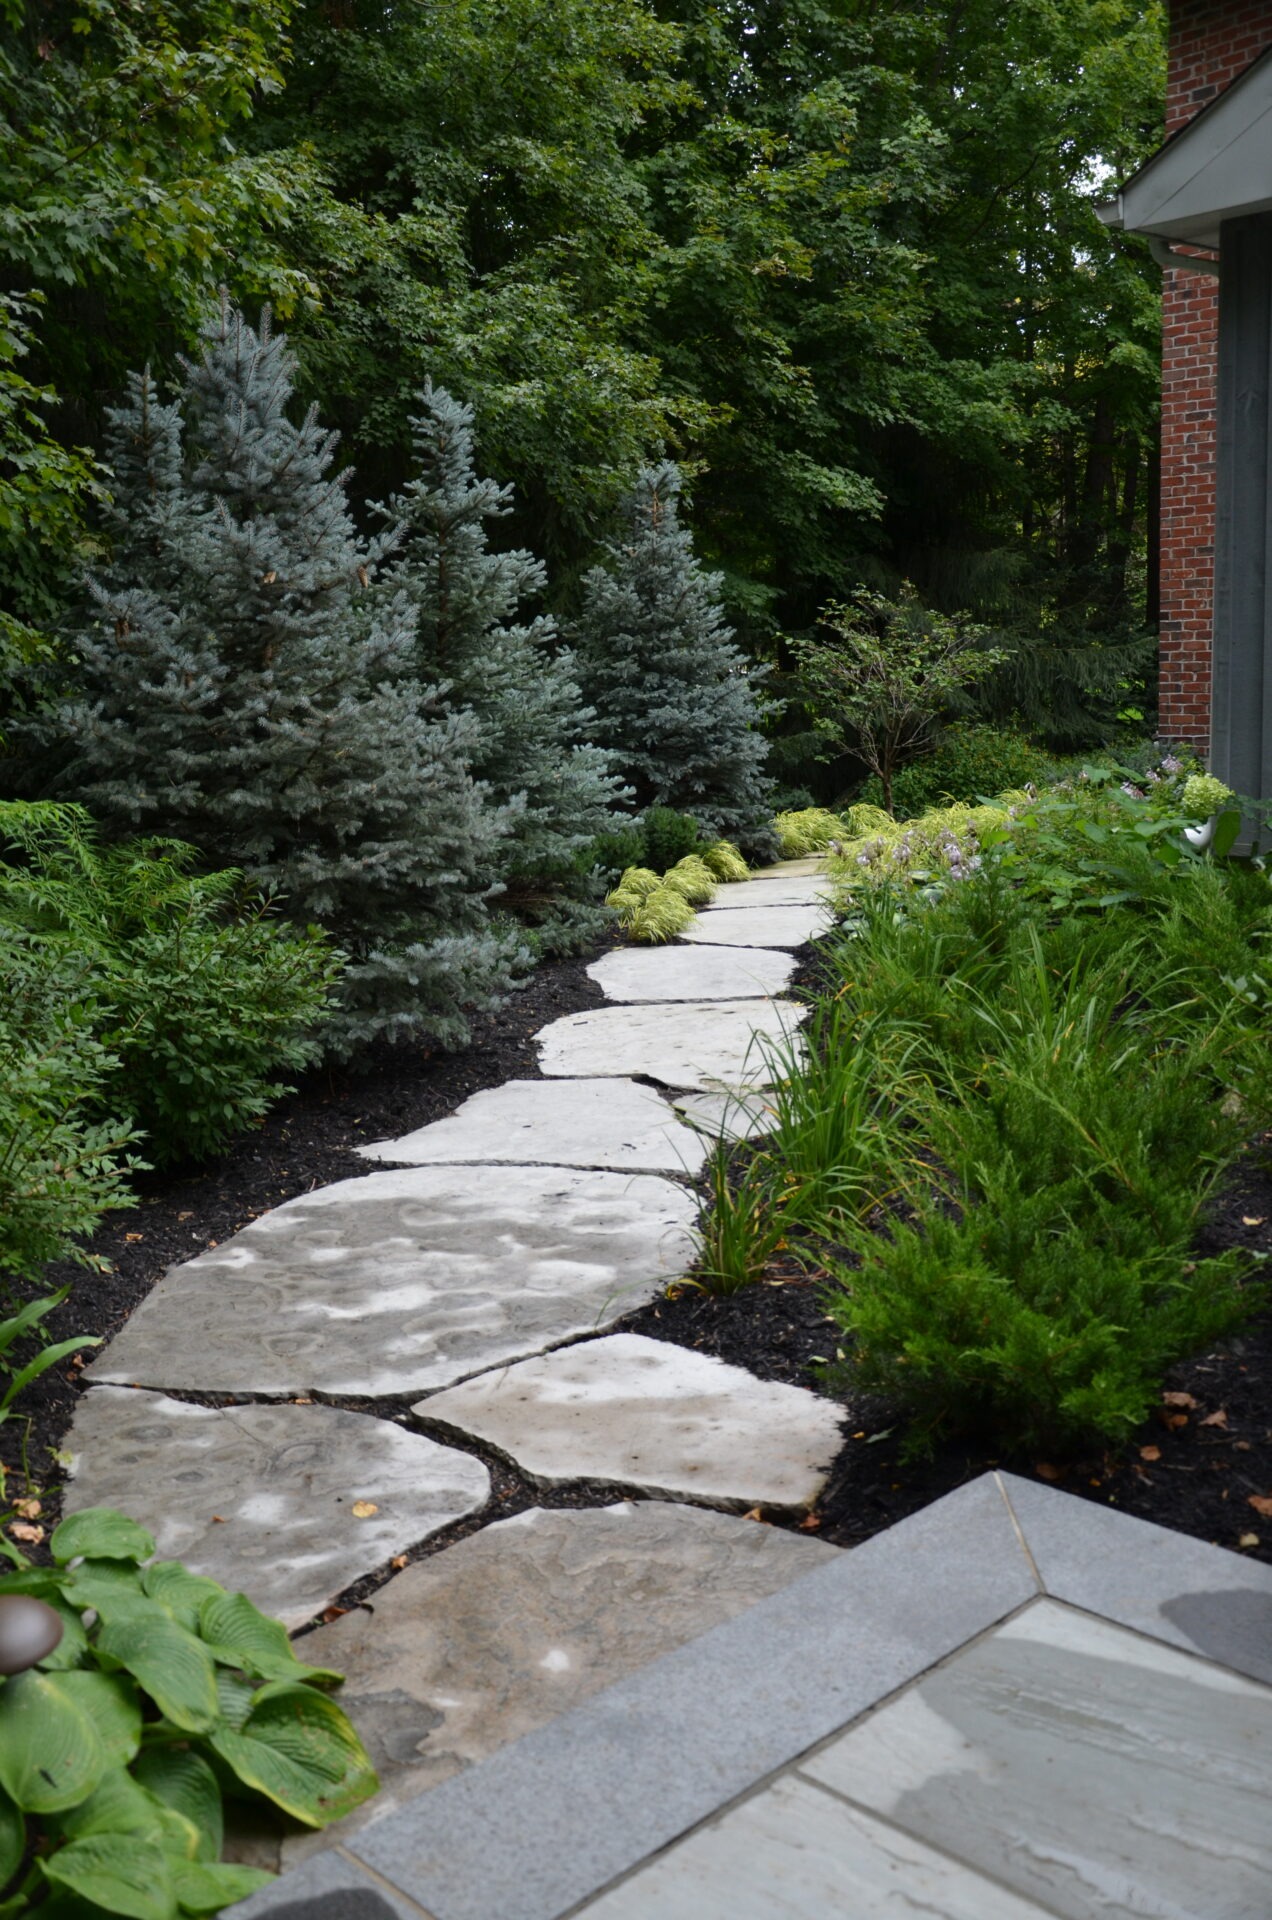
610 854
668 836
812 830
969 763
60 1171
115 1749
201 998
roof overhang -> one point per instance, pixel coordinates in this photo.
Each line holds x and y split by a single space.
1217 168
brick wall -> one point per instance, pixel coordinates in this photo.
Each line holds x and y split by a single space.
1211 42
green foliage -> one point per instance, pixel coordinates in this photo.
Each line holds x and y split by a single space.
668 836
725 862
810 830
693 878
197 997
651 909
116 1748
891 674
742 1224
19 1328
969 762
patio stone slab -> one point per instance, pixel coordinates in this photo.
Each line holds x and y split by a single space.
650 1415
706 1045
728 1116
756 926
807 863
798 1853
773 890
406 1280
561 1123
1082 1765
262 1498
470 1649
691 973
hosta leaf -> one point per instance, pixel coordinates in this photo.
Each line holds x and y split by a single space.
299 1750
110 1702
121 1872
119 1805
110 1587
206 1889
185 1783
242 1636
72 1647
174 1668
234 1697
179 1837
12 1838
50 1755
178 1591
99 1533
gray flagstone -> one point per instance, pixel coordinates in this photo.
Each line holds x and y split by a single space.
699 1044
691 973
757 926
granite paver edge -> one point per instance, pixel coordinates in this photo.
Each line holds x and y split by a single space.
548 1821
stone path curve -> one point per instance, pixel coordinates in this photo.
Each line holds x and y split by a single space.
470 1276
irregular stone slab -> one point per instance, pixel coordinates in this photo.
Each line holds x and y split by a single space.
559 1123
786 890
646 1414
1082 1766
402 1281
808 863
704 1044
691 973
472 1648
757 926
728 1116
265 1498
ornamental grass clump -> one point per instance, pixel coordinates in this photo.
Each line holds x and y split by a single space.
694 879
809 830
660 916
725 862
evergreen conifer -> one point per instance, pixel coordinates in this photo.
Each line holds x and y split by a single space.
240 688
675 699
533 749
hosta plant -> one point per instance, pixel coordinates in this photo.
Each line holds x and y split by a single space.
164 1693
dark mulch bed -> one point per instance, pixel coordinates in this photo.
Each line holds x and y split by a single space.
1193 1468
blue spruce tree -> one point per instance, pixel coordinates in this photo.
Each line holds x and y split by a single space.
240 687
674 697
533 749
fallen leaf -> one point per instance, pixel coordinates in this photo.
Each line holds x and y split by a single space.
398 1560
1253 1219
1150 1453
134 1236
1248 1540
219 1519
187 1215
1174 1420
1178 1400
26 1530
27 1509
334 1613
301 1401
363 1509
756 1513
1262 1504
1046 1472
1242 1446
1218 1419
810 1523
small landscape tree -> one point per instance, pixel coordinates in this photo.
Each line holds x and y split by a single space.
239 687
892 672
675 699
531 745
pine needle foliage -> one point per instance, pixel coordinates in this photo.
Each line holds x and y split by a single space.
239 687
675 699
532 747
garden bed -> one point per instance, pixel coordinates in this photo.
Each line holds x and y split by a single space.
1194 1467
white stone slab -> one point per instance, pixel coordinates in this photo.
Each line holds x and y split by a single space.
475 1647
706 1044
796 1853
757 926
781 890
728 1116
1082 1765
692 973
807 863
646 1414
559 1123
264 1498
403 1281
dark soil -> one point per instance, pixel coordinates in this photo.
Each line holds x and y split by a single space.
1195 1467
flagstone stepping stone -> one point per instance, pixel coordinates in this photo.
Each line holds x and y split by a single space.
808 863
472 1648
786 890
691 973
560 1123
289 1505
706 1044
406 1280
728 1116
757 926
646 1414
